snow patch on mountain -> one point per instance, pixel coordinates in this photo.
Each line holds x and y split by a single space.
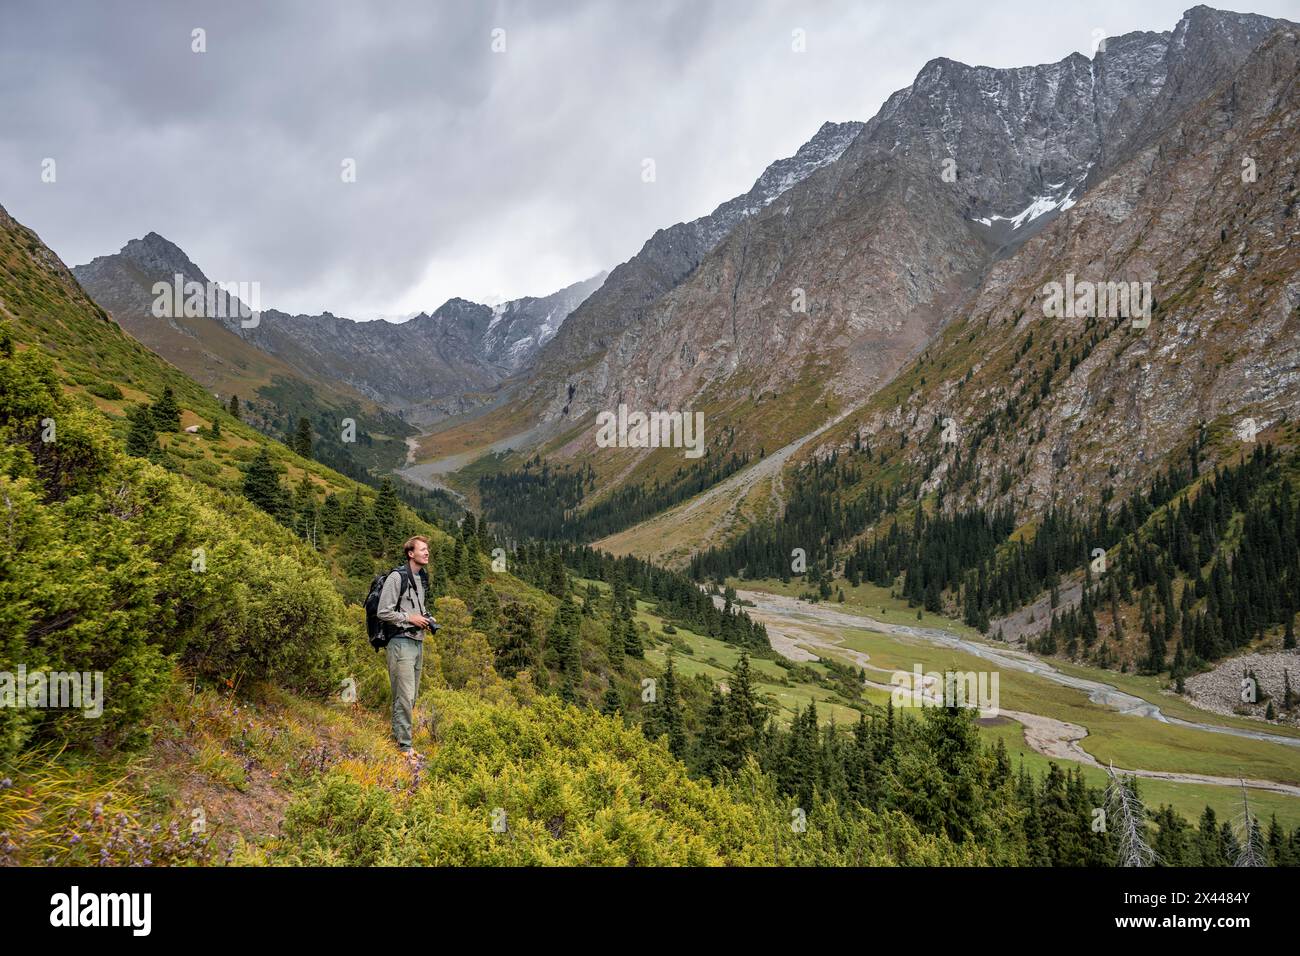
1057 199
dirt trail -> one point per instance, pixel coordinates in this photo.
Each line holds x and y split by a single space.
797 630
738 486
730 494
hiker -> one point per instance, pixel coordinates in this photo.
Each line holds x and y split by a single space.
402 610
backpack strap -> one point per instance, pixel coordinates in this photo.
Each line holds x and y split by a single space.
407 582
404 575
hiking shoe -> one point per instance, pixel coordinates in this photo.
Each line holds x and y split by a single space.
410 753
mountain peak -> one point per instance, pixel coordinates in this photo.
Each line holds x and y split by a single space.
159 257
1208 25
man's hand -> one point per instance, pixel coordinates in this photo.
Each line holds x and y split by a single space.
418 620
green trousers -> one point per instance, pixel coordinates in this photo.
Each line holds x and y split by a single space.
405 660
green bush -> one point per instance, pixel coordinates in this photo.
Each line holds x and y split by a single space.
105 390
111 564
549 784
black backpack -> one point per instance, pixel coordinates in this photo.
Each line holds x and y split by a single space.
381 632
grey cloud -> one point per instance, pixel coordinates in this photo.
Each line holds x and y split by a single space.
478 173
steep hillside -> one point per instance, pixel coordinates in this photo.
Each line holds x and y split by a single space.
272 393
629 295
987 244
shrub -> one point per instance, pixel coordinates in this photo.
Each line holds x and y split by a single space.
105 390
112 565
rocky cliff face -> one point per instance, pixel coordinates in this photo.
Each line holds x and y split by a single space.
828 291
1066 406
672 254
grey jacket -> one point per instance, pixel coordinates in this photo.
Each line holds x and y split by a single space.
412 602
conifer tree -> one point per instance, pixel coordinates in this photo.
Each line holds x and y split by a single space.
355 520
516 640
563 652
166 412
632 646
568 693
456 565
142 437
262 484
743 716
671 719
439 581
1209 849
302 438
306 515
487 610
709 754
387 514
612 702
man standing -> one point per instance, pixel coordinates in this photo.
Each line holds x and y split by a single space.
403 611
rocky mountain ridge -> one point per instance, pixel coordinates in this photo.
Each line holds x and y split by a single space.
826 293
409 367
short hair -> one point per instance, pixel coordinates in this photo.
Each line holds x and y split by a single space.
410 544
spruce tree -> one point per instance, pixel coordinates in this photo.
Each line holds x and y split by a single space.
306 515
563 651
331 515
439 582
569 618
1209 850
387 514
487 610
355 517
671 718
516 639
166 412
302 438
234 408
612 702
568 693
631 635
616 648
262 484
743 716
709 755
141 437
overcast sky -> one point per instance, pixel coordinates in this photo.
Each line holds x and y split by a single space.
483 174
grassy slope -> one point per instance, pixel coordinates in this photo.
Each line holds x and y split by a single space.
49 310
